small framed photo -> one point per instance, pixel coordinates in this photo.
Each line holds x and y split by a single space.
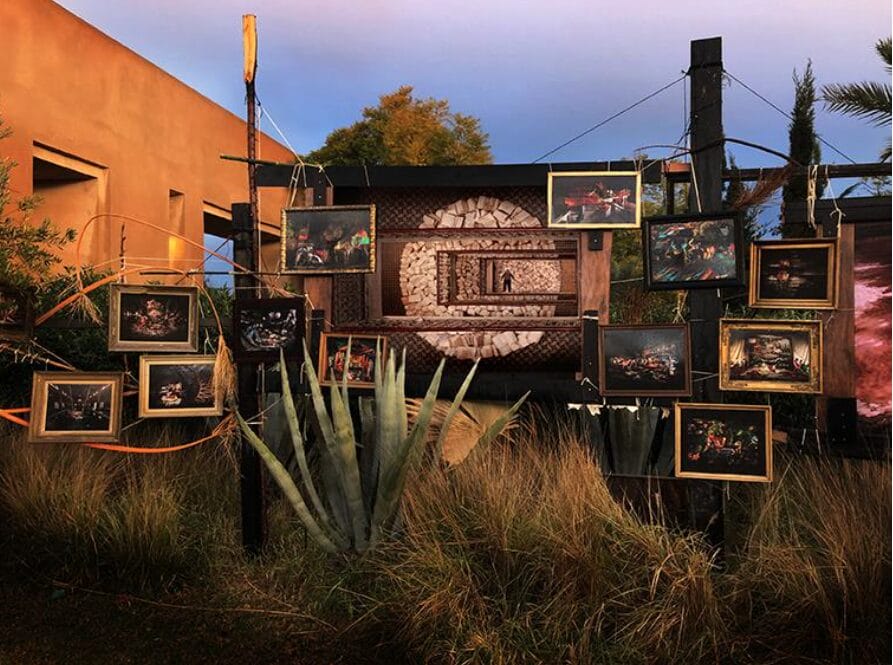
778 356
692 252
267 325
358 362
724 442
327 240
76 407
16 315
594 199
178 387
645 360
793 274
153 318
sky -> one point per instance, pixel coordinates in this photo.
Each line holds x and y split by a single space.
535 73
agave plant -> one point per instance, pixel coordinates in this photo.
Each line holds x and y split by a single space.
360 495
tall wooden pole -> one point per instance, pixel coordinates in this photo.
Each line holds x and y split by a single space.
246 251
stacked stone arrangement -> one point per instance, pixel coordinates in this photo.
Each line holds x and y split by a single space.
418 275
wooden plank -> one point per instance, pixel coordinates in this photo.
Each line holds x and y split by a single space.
595 277
839 363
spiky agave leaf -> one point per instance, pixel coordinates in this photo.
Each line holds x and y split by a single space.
499 425
288 487
349 470
451 413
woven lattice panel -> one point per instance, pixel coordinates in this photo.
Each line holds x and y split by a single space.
349 299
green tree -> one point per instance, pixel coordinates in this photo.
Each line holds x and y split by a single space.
868 99
406 130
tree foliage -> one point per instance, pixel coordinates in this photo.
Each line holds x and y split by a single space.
803 146
405 130
869 100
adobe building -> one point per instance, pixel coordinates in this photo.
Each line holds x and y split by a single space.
99 129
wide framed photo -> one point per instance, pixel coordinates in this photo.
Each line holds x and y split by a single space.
793 274
692 252
76 407
779 356
153 318
594 199
267 325
16 314
178 387
724 442
326 240
358 362
644 360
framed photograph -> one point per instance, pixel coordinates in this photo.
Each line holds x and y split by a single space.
267 325
76 407
153 318
326 240
16 314
644 360
594 199
692 252
793 274
779 356
178 387
359 362
724 442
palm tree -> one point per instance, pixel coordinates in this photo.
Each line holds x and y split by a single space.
868 99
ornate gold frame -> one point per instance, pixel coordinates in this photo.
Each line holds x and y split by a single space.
147 362
40 392
283 239
756 249
322 367
590 174
677 464
115 343
814 328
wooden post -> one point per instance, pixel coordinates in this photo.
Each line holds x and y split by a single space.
246 248
705 306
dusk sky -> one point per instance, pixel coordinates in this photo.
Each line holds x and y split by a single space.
535 74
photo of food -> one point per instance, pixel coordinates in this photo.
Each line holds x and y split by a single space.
594 199
687 252
76 407
178 387
156 318
15 315
359 363
724 442
332 239
267 325
644 360
776 356
793 274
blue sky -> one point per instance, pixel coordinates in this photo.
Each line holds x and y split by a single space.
534 73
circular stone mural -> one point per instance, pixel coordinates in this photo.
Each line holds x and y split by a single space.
419 283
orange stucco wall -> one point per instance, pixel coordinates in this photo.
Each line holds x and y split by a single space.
71 93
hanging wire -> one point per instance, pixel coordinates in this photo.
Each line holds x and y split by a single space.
784 113
616 115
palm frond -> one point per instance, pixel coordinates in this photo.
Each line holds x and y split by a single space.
883 48
868 99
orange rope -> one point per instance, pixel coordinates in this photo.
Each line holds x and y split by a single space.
7 414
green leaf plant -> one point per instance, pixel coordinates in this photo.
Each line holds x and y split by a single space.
360 497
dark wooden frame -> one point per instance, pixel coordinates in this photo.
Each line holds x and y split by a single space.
321 211
602 369
677 444
322 367
115 343
738 280
593 225
147 362
26 307
40 392
833 264
241 305
813 327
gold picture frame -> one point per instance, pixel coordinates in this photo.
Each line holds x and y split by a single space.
589 181
813 346
379 343
176 392
692 466
299 256
759 290
64 404
179 301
